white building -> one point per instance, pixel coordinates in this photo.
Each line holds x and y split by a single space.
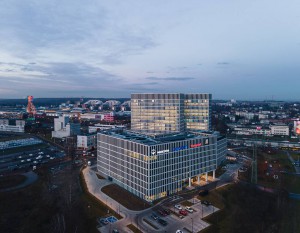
282 130
19 127
62 127
4 122
87 142
99 127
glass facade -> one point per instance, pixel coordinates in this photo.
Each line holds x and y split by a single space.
197 110
157 113
153 169
169 113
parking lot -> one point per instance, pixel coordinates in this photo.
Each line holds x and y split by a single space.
31 159
19 143
179 218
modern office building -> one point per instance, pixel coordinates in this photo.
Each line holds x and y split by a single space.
168 148
156 114
154 167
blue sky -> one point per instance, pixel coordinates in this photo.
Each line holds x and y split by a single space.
95 48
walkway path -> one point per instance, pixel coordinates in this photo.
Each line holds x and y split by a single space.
94 185
31 177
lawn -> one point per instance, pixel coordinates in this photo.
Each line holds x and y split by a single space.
134 229
296 156
249 210
125 198
215 197
98 208
186 203
11 181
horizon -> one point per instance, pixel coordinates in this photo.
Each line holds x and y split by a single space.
232 49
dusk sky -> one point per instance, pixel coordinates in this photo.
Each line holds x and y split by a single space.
95 48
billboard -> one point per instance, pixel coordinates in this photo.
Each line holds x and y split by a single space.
297 127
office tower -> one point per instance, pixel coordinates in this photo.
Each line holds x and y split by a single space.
197 111
168 148
156 114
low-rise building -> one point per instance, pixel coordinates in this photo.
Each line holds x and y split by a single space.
19 126
282 130
87 142
62 127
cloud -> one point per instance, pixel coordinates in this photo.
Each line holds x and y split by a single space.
170 78
223 63
144 84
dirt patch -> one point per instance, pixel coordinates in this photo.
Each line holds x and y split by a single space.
125 198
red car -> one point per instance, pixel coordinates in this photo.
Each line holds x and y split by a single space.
183 212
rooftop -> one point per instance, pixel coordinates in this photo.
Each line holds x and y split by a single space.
150 140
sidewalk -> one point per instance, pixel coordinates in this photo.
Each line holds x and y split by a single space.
94 185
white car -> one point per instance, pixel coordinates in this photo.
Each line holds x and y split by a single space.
189 209
22 161
51 158
28 160
179 231
178 207
48 156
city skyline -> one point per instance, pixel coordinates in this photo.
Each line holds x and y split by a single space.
232 49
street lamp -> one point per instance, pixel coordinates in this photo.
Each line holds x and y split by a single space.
137 222
192 225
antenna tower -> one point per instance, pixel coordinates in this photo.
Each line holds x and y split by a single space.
30 107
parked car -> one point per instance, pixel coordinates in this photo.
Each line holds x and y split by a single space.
166 211
162 222
154 216
189 209
115 231
207 203
162 213
178 207
183 212
104 221
179 231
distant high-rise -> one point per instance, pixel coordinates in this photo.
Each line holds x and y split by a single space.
170 113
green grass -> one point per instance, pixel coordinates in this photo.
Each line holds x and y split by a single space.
245 210
11 181
186 203
291 183
290 222
100 177
215 197
134 229
125 198
295 155
100 207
